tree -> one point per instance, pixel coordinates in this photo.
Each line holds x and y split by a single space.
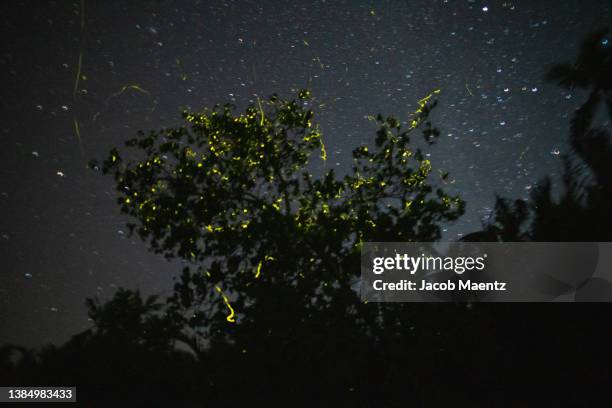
127 358
567 343
582 211
231 195
273 251
592 71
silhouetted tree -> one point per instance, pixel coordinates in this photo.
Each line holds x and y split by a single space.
127 358
555 346
274 251
581 212
267 303
230 194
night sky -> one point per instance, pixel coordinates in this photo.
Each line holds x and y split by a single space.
61 235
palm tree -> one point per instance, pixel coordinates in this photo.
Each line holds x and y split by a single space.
582 211
592 70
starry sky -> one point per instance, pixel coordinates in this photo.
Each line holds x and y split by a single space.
139 63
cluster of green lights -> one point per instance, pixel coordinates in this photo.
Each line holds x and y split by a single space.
228 154
422 104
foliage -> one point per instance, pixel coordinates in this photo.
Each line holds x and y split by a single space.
233 195
582 211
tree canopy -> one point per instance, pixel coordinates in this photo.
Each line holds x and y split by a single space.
234 196
581 210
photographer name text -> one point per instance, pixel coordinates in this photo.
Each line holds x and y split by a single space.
427 286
